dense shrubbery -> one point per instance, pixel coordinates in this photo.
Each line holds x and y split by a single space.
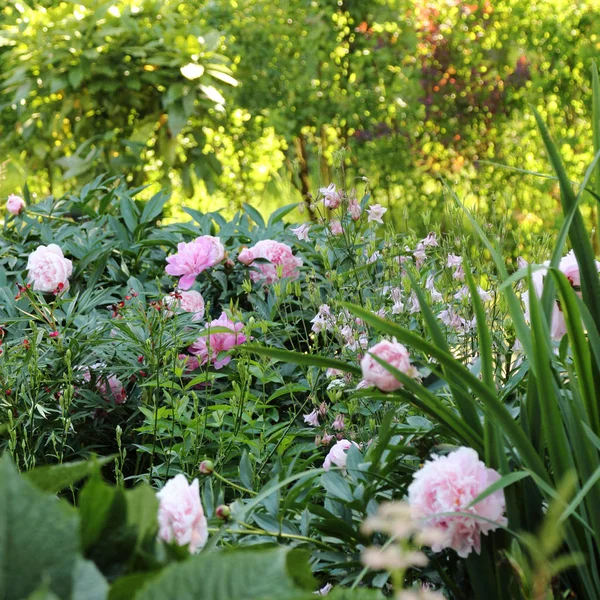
285 389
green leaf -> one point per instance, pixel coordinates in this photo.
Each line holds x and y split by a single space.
254 215
154 207
38 538
88 582
54 478
336 486
264 574
129 213
280 213
500 485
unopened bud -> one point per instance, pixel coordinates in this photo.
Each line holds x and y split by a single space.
223 512
206 467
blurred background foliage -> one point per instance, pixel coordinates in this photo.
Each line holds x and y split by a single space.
264 101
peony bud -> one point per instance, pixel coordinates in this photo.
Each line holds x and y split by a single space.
206 467
223 512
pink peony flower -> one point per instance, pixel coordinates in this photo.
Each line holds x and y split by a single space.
332 198
375 213
194 257
49 270
568 265
337 455
180 515
208 347
15 204
190 302
449 484
190 362
312 418
301 232
115 389
277 254
393 353
335 227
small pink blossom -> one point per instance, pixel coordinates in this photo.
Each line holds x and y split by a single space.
449 484
394 354
484 295
375 213
354 210
415 306
301 232
15 204
49 270
332 198
454 260
190 302
278 254
312 418
337 456
338 424
430 240
335 227
459 273
193 258
462 293
180 514
449 318
208 347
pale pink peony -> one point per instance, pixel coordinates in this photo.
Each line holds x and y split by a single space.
393 353
115 389
337 456
49 270
568 265
15 204
190 302
449 484
180 515
194 257
278 255
207 348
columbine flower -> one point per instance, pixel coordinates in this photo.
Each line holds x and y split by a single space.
193 258
180 515
15 204
324 590
375 213
462 293
331 197
430 240
449 484
430 286
415 307
208 347
301 232
393 353
459 273
337 455
397 308
312 418
484 295
354 210
323 320
454 260
339 424
449 318
48 269
335 227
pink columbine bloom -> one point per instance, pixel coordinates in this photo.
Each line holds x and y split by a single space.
449 484
338 424
301 232
454 260
193 258
48 269
332 198
312 418
393 353
15 204
354 210
208 347
335 227
180 514
337 456
278 255
375 213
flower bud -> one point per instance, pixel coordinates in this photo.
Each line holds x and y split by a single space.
206 467
223 512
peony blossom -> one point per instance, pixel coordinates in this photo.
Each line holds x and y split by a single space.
301 232
337 456
49 270
180 515
278 254
375 213
108 386
332 198
335 227
190 302
568 265
393 353
449 484
208 347
312 418
194 257
15 204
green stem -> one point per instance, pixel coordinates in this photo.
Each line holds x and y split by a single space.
234 485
